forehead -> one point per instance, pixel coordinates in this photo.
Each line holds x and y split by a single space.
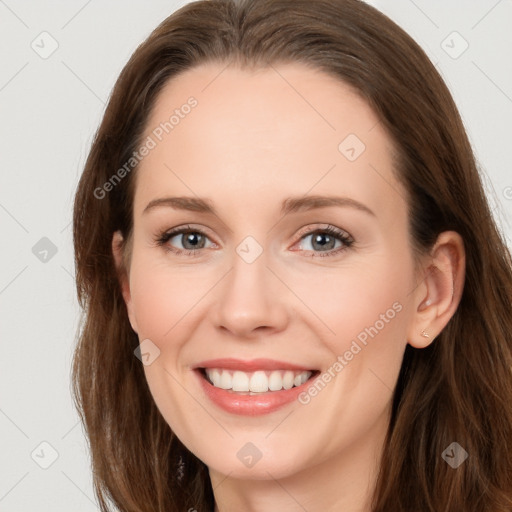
285 128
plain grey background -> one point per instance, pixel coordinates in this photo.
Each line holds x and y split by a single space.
59 62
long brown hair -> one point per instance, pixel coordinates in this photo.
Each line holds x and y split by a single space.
459 389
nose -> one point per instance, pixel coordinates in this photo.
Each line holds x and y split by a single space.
251 300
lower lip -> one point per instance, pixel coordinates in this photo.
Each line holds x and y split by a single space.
250 405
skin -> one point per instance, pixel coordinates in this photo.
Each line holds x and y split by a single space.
255 139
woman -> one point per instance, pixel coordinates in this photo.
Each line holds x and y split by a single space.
282 218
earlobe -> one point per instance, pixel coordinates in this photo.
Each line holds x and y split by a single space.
440 292
118 248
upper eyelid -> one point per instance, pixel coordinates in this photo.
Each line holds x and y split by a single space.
339 231
305 230
185 229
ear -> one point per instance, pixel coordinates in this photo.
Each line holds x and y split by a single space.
438 295
118 249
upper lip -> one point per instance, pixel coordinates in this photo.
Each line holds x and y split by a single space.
250 365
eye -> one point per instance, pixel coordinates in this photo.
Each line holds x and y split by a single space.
190 239
329 241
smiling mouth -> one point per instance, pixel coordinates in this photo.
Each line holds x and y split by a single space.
256 382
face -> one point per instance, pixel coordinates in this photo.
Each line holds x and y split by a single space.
274 294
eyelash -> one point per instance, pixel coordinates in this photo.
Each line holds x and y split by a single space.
342 236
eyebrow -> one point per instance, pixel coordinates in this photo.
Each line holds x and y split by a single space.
290 205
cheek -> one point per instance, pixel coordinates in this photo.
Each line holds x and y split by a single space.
359 302
367 311
165 301
163 297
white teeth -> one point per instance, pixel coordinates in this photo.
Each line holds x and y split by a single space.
275 381
288 380
225 380
257 382
240 381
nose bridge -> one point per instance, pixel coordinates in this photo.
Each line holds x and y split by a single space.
250 270
249 298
